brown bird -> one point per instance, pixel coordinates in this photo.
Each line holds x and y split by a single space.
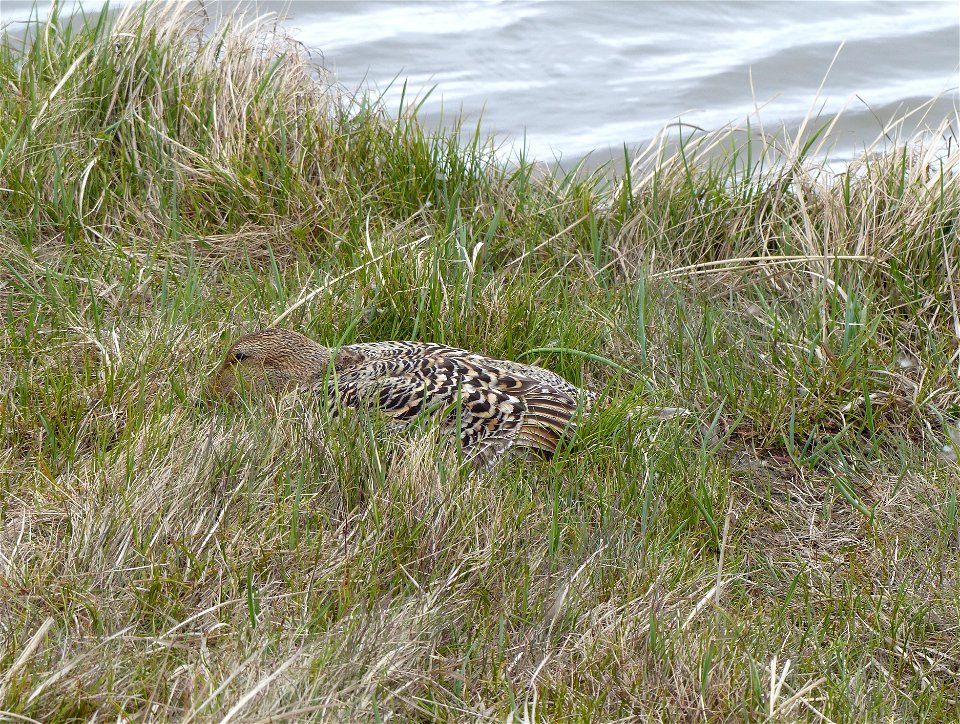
499 404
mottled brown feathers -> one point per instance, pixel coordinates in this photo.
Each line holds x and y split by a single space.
491 404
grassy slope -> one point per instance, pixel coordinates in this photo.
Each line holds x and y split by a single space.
789 549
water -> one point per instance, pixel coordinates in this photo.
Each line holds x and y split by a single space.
566 79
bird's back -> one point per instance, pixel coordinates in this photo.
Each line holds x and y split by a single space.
498 403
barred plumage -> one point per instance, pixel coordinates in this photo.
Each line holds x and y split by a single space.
498 404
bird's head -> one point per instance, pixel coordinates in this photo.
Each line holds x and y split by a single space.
273 359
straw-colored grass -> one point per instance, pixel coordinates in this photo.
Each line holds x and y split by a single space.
789 549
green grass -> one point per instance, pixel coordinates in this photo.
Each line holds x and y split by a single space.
788 550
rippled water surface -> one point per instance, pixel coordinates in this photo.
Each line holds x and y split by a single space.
568 78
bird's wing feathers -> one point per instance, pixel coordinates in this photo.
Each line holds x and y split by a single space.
499 406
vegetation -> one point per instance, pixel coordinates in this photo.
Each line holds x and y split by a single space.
789 549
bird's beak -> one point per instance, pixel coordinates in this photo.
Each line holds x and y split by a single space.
218 387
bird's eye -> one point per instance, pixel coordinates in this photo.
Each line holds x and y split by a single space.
239 356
